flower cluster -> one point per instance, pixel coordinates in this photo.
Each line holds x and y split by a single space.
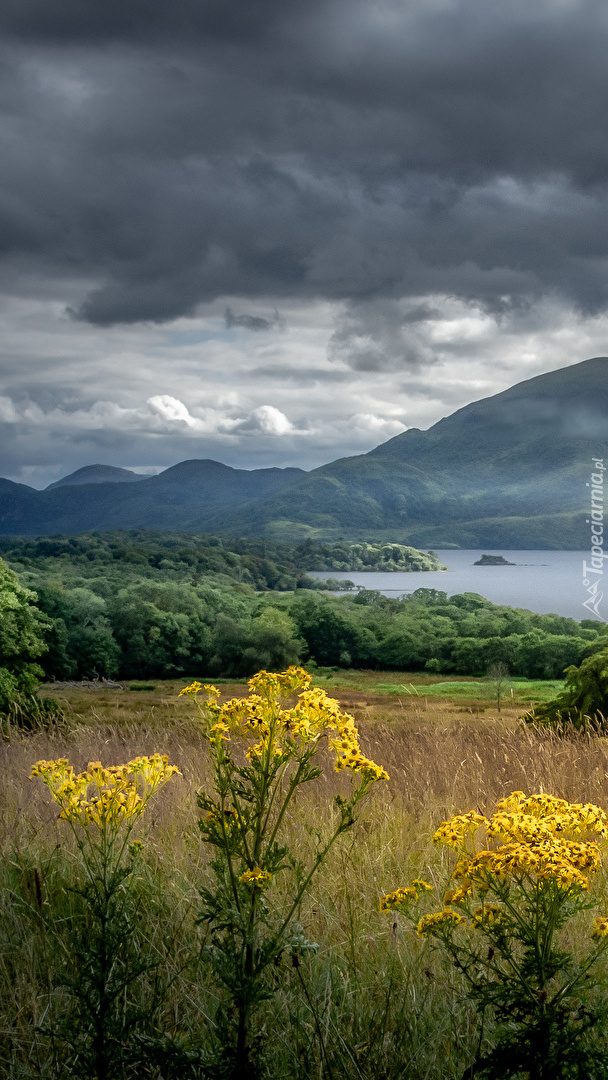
195 688
257 878
455 832
600 927
284 731
104 797
394 900
540 816
459 895
440 921
535 842
486 915
538 838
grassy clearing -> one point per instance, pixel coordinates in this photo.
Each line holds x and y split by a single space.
378 1004
519 690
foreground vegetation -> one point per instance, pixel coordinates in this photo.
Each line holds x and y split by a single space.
225 887
140 606
371 998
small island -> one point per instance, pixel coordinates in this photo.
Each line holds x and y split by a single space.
493 560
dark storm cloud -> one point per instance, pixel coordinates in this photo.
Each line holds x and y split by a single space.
143 20
379 335
175 152
257 323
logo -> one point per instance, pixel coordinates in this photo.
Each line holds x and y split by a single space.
593 571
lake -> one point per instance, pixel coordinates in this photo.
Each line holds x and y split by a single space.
541 581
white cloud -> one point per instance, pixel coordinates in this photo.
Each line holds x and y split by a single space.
378 424
267 419
160 413
171 408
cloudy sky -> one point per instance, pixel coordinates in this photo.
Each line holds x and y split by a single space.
276 232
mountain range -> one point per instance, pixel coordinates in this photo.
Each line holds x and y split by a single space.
507 471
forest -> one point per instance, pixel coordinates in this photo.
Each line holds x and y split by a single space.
144 605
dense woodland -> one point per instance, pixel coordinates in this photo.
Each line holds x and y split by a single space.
141 605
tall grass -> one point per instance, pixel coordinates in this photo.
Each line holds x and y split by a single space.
374 1001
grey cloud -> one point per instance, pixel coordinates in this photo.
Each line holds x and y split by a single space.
175 153
379 335
301 376
417 388
420 313
252 322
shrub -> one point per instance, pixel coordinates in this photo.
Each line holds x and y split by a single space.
583 703
103 947
243 821
501 925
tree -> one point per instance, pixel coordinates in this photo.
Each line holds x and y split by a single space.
80 639
584 699
22 629
497 678
330 638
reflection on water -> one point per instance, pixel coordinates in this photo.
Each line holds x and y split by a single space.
541 581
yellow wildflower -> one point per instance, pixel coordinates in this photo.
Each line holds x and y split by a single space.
458 896
446 919
287 732
536 835
453 833
270 684
488 914
120 792
257 878
193 689
511 802
219 730
421 886
600 927
394 900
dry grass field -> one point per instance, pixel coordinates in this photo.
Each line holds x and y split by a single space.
443 756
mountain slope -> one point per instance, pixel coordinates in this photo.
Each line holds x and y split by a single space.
509 470
185 496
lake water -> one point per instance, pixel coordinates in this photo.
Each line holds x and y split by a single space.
541 581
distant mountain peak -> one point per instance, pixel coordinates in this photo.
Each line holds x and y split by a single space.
98 474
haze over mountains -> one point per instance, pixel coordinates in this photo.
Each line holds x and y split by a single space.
507 471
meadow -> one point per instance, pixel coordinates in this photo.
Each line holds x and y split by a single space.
371 999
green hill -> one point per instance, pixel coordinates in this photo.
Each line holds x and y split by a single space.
187 496
507 471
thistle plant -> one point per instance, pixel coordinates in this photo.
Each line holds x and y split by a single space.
104 956
501 927
262 751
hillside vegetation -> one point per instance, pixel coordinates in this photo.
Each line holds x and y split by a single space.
136 605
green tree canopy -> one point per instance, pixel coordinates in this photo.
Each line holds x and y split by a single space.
584 698
21 625
22 629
